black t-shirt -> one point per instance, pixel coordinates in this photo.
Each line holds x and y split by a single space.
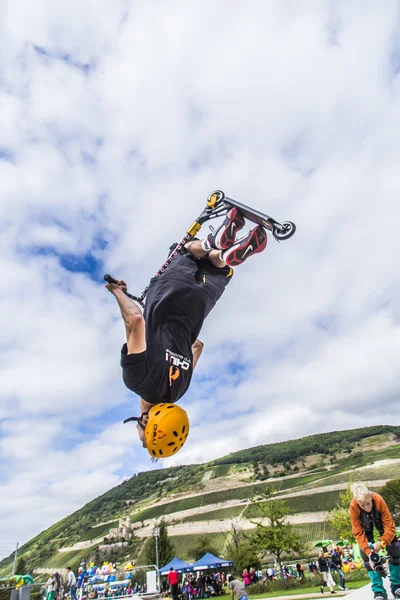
177 304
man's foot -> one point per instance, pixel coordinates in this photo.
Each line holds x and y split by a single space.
396 592
379 596
225 236
253 243
322 589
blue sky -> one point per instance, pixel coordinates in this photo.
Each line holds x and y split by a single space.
115 126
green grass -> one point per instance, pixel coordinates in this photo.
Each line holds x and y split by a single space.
185 543
312 532
302 480
221 471
367 474
96 532
367 457
215 515
300 504
373 440
67 559
313 502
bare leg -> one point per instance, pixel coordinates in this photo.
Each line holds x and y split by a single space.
214 256
133 319
126 306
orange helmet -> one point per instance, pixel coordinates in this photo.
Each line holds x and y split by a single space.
166 430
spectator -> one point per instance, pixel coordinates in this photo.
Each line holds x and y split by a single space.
311 569
246 578
238 588
71 582
57 586
164 585
336 565
173 580
81 577
325 573
253 575
50 586
286 571
189 590
315 567
201 584
299 570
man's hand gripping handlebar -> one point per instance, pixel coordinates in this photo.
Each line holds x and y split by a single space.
113 283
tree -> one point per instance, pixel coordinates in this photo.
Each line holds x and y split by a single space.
391 494
339 517
21 568
278 536
240 550
166 549
203 545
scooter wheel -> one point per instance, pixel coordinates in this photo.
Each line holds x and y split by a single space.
214 198
285 231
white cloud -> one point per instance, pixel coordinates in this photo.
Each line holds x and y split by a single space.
116 124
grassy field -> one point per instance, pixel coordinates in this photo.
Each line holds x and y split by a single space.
312 532
299 504
375 440
67 559
313 502
95 532
367 474
302 480
221 471
215 515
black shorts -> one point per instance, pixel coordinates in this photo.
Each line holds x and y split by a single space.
204 278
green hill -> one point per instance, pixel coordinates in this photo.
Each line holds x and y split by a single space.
302 465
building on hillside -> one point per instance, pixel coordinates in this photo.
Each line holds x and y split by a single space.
124 531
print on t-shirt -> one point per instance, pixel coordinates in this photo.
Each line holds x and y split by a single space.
178 362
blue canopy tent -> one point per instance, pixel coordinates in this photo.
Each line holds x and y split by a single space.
177 564
209 561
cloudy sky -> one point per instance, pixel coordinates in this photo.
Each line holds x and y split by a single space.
117 119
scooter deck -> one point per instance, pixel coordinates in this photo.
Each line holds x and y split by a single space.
251 213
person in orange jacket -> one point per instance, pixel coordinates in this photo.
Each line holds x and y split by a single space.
369 511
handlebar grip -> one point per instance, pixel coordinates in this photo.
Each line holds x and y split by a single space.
109 279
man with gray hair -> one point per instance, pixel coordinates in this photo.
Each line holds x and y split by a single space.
369 511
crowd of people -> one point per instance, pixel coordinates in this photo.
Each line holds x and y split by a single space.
58 587
92 583
193 585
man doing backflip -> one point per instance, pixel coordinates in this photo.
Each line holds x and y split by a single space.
369 512
162 346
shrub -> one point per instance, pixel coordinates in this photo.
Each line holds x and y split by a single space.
276 586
